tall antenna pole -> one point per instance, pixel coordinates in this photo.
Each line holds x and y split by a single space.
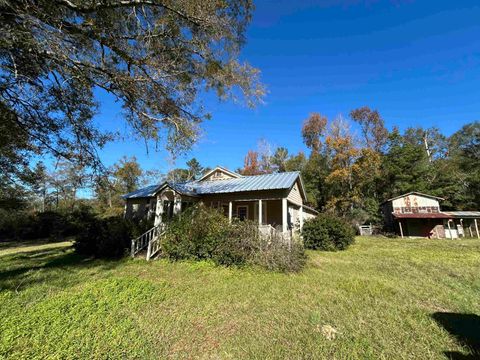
425 141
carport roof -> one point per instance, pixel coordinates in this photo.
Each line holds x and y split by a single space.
422 216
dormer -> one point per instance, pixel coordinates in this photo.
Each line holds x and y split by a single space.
219 173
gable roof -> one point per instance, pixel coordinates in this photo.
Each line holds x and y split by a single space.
148 191
415 193
276 181
222 169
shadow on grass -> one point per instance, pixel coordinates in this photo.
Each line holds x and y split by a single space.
30 268
465 328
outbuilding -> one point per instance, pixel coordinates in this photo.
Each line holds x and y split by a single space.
415 214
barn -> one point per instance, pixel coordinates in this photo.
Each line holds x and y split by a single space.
419 215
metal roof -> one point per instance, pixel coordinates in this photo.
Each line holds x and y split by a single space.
148 191
248 183
421 216
439 215
275 181
463 214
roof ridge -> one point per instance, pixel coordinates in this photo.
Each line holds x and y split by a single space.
275 173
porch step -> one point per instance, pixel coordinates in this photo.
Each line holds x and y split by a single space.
142 254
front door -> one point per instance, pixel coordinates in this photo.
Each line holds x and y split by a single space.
167 209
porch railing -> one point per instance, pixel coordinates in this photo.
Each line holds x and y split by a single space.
141 242
154 245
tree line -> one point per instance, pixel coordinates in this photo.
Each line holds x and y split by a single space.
344 173
351 174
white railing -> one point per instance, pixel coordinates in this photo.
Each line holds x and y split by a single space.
267 230
154 246
141 242
149 240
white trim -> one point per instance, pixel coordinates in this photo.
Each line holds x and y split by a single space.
284 215
244 206
300 215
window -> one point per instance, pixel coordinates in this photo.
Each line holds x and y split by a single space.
242 212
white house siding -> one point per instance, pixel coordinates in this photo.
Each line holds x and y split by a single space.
413 200
136 208
218 175
294 195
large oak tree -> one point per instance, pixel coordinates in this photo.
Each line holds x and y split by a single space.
154 56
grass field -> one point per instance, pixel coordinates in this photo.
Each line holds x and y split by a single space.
380 299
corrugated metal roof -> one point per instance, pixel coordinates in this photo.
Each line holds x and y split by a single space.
463 214
421 216
440 215
148 191
275 181
248 183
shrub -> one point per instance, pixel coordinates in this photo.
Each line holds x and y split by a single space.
54 225
104 237
278 254
203 233
195 234
29 225
326 232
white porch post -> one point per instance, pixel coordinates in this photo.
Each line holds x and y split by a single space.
401 229
284 215
300 214
260 212
449 229
230 211
177 204
476 228
158 211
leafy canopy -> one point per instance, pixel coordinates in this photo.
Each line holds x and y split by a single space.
153 56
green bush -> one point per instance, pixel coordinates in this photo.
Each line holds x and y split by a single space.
326 232
53 225
195 234
104 237
202 233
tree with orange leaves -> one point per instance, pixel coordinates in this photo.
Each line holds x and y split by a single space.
251 164
313 130
340 144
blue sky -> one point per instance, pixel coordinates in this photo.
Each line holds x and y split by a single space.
417 62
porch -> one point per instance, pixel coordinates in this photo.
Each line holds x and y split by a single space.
279 213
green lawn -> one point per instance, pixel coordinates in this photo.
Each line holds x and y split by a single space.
382 298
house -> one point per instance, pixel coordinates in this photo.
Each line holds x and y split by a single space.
273 200
419 215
